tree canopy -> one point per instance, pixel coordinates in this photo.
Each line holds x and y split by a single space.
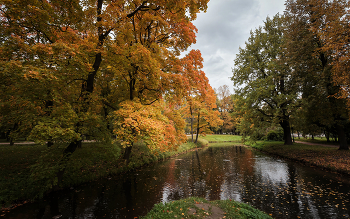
266 86
78 69
294 69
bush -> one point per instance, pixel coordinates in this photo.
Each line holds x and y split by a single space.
275 135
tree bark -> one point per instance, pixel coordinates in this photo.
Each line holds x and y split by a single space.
286 132
68 151
197 127
191 123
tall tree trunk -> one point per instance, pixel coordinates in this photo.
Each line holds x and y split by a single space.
286 132
68 151
342 138
197 127
127 152
191 123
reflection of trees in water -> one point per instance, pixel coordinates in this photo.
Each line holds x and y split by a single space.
282 189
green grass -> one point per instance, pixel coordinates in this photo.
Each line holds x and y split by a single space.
186 208
225 144
28 171
220 138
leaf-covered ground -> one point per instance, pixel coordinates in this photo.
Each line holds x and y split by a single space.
328 157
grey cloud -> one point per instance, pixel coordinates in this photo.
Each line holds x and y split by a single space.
224 28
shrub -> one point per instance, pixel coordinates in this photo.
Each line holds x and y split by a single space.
275 135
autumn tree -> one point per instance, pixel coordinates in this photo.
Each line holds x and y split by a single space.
335 37
266 89
73 63
225 107
200 108
313 66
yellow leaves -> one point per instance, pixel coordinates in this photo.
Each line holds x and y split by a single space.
134 121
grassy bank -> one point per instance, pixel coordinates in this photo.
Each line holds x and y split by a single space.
322 156
223 138
27 175
200 208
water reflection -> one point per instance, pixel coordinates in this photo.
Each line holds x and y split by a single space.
282 189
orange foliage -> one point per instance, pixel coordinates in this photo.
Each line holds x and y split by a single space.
136 122
335 37
93 57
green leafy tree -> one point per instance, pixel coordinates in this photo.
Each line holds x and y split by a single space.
266 88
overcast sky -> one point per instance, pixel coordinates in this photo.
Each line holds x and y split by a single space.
224 28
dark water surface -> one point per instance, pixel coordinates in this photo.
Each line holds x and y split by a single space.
281 188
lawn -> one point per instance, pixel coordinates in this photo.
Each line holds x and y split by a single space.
222 138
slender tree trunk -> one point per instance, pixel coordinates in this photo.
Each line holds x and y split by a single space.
197 127
127 152
286 132
191 122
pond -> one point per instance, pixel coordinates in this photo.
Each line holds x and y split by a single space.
281 188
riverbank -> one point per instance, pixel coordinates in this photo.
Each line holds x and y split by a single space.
314 154
25 177
195 207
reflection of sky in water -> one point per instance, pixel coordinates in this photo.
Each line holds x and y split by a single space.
230 190
271 170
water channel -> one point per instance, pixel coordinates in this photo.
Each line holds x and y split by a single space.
281 188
